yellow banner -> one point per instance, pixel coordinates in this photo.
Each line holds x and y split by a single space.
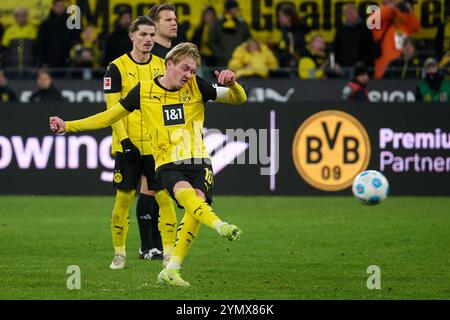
38 10
321 15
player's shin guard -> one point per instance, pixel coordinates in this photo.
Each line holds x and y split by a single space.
119 219
197 207
187 231
147 211
167 222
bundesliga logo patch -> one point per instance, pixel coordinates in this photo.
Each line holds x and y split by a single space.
107 83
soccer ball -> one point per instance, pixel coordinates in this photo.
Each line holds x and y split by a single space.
370 187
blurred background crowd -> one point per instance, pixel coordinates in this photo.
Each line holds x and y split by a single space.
50 50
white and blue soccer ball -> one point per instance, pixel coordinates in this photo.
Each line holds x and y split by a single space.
370 187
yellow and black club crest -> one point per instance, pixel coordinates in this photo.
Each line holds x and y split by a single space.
186 97
117 176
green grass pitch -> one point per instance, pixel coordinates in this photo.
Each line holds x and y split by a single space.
292 248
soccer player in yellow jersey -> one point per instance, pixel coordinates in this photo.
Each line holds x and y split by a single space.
173 109
133 152
164 17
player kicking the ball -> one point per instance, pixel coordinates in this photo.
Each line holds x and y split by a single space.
173 109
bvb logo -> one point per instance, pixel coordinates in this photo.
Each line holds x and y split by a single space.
186 97
330 148
117 177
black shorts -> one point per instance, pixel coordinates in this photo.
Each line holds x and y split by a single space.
127 174
200 176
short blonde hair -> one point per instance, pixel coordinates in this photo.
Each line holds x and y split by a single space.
182 51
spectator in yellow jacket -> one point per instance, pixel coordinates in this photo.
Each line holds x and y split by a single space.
317 63
86 52
19 42
252 59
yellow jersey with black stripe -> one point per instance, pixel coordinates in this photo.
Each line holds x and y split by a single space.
175 117
121 76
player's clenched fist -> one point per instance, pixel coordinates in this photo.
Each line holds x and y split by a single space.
57 125
225 77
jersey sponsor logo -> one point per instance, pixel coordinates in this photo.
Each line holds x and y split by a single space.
173 114
330 148
107 83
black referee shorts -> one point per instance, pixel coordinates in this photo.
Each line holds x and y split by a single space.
127 174
199 175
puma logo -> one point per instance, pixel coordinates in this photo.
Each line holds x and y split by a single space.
200 213
132 74
159 98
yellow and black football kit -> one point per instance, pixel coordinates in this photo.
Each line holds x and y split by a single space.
177 118
175 124
174 121
121 76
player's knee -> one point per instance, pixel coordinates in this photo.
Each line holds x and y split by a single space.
124 199
200 193
180 186
164 200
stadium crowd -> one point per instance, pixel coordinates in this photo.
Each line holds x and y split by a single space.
225 40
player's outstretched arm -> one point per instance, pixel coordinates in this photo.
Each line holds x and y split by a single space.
98 121
234 93
118 127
